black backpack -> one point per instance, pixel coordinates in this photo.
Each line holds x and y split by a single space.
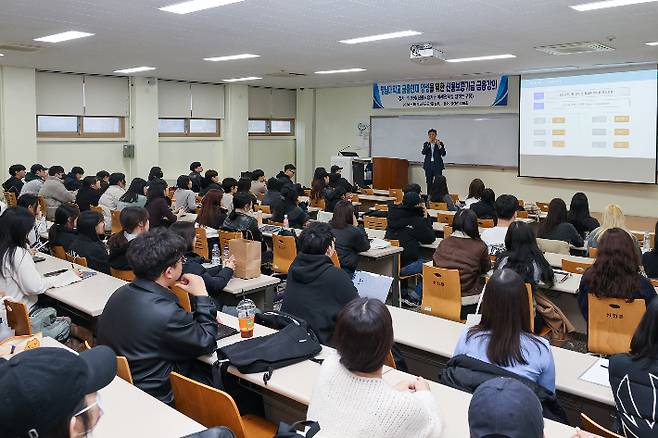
294 342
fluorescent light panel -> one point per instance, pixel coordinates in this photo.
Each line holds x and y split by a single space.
134 70
343 70
196 5
482 58
64 36
654 43
231 57
583 7
248 78
384 36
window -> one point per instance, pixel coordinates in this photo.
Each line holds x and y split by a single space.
80 126
271 127
189 127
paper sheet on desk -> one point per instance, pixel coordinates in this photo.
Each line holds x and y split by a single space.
379 244
371 285
598 373
66 278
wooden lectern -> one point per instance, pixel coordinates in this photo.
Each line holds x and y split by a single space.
389 173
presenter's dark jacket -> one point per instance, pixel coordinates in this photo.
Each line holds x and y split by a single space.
411 228
144 322
433 156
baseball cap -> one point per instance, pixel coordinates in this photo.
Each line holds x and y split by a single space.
505 407
411 199
335 168
43 386
36 168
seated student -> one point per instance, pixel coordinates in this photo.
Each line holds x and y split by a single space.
15 182
633 378
485 208
350 398
579 215
87 243
320 185
475 191
185 197
503 337
110 198
613 217
212 215
215 278
286 175
615 272
135 196
337 195
650 259
53 392
466 252
350 238
439 193
134 221
156 203
412 187
143 320
34 180
89 193
53 191
273 195
230 187
244 186
258 186
316 289
104 177
506 214
289 206
336 180
505 407
195 176
72 179
63 231
556 227
31 203
155 173
19 278
240 219
210 182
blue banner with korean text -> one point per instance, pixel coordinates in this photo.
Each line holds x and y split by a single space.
441 93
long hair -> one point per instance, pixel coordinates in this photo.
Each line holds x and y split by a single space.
343 215
130 218
579 208
488 197
644 344
65 215
557 214
136 188
505 318
615 272
15 223
211 208
466 221
439 189
475 189
156 190
155 173
612 217
523 255
318 184
87 222
183 182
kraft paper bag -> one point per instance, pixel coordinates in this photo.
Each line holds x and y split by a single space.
247 257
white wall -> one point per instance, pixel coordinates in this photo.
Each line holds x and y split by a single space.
177 154
92 156
271 153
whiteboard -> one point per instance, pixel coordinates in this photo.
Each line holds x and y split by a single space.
491 139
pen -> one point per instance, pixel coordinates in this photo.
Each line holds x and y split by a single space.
53 273
13 348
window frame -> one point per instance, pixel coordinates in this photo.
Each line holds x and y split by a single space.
80 133
187 133
268 123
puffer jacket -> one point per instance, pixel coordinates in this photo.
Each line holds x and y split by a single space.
55 194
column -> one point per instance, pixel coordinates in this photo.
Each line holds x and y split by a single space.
235 154
304 132
144 126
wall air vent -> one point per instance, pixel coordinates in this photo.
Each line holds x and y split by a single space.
574 48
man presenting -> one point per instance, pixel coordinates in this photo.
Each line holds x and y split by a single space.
434 151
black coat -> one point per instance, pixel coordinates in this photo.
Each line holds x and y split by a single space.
411 228
13 185
87 197
118 251
72 183
483 210
316 292
285 180
433 156
196 181
144 322
94 251
215 278
61 236
466 374
211 186
350 241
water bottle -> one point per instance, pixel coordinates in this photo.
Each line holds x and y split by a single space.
286 224
646 245
226 254
215 255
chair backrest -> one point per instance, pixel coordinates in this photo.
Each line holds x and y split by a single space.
183 298
335 259
522 214
591 426
447 231
442 293
455 197
17 318
355 197
123 369
390 361
264 208
307 192
521 202
640 238
398 194
205 404
58 251
612 323
445 218
381 207
225 236
654 282
486 223
543 206
375 223
367 191
10 198
96 208
324 216
575 267
319 203
198 199
122 275
438 206
42 205
284 251
201 244
82 261
116 222
592 252
531 307
556 246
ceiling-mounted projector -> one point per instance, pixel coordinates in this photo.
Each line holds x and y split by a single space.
426 54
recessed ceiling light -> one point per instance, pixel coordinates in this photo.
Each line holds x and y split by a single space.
654 43
196 5
2 54
231 57
134 70
343 70
482 58
607 4
384 36
64 36
248 78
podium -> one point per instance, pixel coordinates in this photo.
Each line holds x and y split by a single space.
389 173
353 168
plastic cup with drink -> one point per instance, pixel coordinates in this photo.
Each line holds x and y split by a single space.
246 313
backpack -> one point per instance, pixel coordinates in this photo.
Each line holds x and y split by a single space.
294 342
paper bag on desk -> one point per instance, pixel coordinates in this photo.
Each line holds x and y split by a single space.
247 257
